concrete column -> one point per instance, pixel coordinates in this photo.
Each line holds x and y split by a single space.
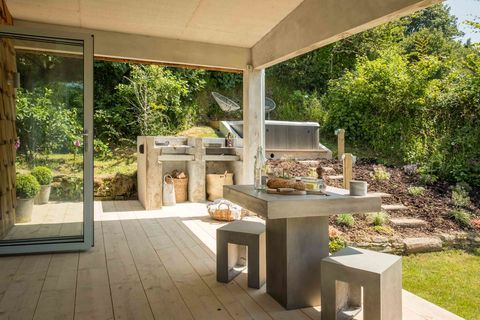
253 119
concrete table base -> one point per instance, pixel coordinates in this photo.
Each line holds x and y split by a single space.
295 249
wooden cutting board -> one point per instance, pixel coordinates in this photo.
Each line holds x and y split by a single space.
287 191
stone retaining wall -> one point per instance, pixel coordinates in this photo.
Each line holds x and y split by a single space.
400 246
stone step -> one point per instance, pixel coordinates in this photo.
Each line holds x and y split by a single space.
380 194
406 222
384 195
339 177
393 207
420 245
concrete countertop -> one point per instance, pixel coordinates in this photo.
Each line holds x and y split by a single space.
273 206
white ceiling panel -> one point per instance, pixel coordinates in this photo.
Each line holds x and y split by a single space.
229 22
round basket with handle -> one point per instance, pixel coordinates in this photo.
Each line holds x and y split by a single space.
222 212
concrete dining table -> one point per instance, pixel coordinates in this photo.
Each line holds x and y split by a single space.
297 236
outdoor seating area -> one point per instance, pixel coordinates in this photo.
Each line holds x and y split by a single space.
210 159
150 265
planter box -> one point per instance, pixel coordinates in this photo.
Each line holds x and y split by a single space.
23 211
43 195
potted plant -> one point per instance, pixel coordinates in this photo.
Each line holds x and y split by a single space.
27 188
44 177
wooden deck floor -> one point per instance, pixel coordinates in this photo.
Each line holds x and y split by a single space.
146 265
55 219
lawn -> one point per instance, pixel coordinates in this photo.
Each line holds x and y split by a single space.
450 279
122 161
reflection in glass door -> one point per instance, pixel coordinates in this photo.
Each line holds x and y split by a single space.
54 169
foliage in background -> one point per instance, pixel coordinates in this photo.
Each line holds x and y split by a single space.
377 218
416 191
345 219
160 99
461 216
44 124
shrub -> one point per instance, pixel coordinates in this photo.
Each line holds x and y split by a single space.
377 218
380 174
68 188
27 186
345 219
416 191
336 244
428 179
462 217
102 151
43 175
460 197
387 230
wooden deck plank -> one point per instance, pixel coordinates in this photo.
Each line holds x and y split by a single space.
129 298
20 298
203 263
201 301
57 299
164 298
93 295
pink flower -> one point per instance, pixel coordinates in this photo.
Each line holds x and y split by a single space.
77 143
17 143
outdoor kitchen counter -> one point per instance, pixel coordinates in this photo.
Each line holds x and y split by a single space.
297 236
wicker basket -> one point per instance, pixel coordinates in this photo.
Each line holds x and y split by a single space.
215 183
181 189
223 212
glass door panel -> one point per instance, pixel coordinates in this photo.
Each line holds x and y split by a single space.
54 162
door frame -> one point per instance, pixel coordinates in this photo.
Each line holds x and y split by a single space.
67 244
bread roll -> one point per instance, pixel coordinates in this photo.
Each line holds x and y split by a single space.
276 183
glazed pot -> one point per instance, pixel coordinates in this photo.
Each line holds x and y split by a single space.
23 211
43 195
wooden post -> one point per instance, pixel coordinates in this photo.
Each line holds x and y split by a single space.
341 143
8 131
253 119
347 170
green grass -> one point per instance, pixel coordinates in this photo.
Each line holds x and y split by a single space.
199 132
124 162
450 279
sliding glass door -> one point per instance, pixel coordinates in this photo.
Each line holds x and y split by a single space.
50 81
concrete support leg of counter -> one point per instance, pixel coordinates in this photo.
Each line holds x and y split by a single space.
295 248
197 173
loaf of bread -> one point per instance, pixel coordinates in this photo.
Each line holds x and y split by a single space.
276 183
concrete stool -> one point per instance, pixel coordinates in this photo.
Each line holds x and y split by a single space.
346 271
247 233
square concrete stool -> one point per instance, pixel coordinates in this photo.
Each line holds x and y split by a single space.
247 233
345 272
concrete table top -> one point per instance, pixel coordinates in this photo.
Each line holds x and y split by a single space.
275 206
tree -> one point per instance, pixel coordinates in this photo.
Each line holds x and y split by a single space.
160 100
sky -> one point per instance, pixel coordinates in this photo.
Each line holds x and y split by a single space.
466 10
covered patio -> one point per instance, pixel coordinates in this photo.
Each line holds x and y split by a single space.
160 264
148 265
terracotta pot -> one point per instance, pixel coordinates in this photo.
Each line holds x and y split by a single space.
24 209
44 194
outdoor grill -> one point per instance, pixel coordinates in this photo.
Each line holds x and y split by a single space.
196 157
